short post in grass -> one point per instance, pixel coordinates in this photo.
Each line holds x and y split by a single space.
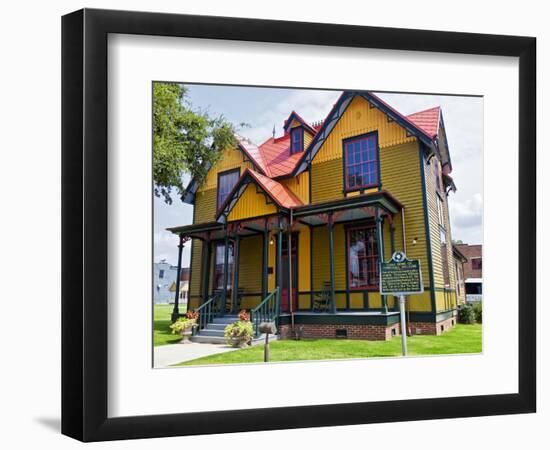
267 328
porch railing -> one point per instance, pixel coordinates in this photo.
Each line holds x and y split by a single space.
209 310
266 311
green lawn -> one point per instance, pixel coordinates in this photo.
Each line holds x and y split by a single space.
461 339
162 334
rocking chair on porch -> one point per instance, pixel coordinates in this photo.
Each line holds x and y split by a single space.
323 300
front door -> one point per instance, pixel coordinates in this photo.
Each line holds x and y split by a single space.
285 300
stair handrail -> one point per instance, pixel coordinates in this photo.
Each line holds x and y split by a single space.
266 311
207 312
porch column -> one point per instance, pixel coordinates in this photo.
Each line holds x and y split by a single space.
265 262
289 250
280 260
380 240
236 258
205 268
225 269
176 310
331 261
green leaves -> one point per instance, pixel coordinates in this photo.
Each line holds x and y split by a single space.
184 140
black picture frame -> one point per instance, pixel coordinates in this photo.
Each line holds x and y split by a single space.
84 224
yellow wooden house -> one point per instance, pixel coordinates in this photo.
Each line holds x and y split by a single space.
294 229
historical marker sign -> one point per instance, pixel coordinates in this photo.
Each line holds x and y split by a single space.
400 276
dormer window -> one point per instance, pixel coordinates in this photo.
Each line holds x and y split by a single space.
296 140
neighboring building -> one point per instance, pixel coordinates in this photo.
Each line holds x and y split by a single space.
164 275
473 271
346 193
184 289
473 268
459 261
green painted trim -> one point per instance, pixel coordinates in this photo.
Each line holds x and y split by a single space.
236 268
340 319
431 317
331 262
427 224
346 267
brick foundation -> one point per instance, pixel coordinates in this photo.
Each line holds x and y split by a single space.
364 331
433 328
328 331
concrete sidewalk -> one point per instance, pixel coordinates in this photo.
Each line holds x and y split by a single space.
166 355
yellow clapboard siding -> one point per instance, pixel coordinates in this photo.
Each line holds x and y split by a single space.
420 302
359 118
249 302
321 262
299 186
356 300
251 203
327 181
250 264
308 137
196 269
205 206
304 269
232 158
375 300
442 303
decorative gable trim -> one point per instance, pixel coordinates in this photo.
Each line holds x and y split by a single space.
294 116
338 111
193 185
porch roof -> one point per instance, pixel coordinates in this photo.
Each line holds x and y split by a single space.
359 207
351 208
197 230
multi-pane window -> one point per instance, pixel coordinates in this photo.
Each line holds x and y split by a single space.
219 259
362 257
297 140
226 183
361 158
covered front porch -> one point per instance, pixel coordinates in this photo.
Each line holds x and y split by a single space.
302 267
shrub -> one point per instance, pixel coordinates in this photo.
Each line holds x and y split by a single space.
466 314
238 332
478 311
182 324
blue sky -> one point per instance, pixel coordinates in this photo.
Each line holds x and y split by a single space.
263 108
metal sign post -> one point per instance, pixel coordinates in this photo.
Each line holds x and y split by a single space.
399 277
403 324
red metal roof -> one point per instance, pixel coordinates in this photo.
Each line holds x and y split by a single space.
253 153
273 157
427 120
280 194
276 154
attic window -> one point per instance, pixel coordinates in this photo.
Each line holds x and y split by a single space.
296 140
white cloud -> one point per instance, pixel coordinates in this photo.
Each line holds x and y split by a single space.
310 105
467 219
